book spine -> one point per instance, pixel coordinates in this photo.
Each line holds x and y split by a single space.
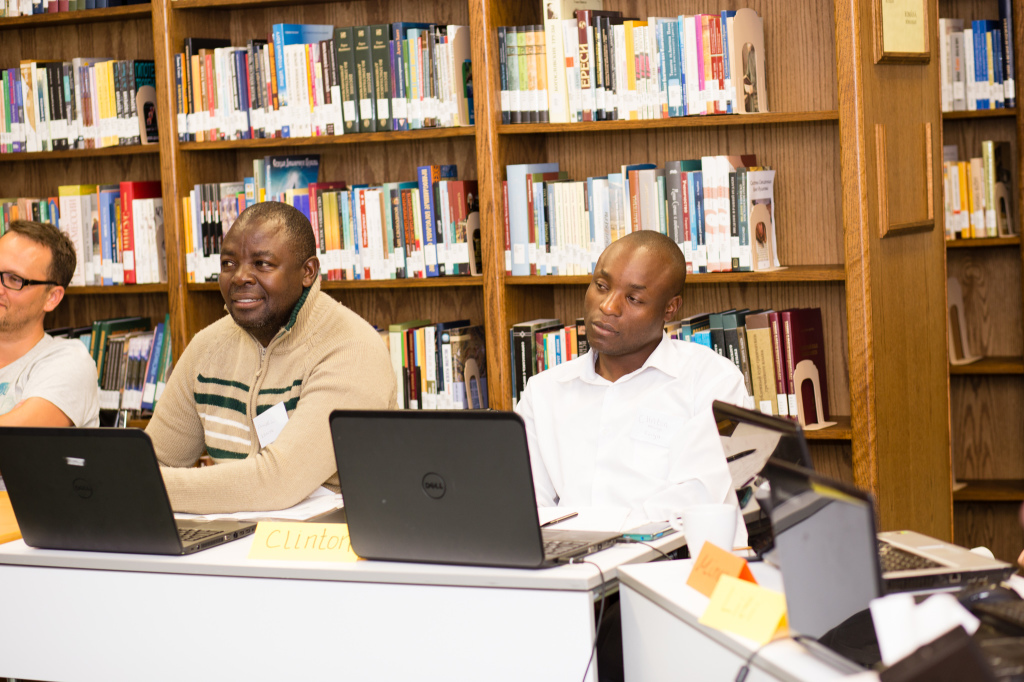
364 79
380 54
781 368
347 77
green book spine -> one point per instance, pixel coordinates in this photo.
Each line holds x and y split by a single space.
380 51
344 47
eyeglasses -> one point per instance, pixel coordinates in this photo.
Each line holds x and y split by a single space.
17 283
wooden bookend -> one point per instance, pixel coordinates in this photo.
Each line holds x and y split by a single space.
807 371
959 350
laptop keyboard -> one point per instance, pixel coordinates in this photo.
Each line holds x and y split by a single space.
195 534
559 548
893 559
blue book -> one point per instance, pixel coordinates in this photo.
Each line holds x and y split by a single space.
519 223
399 73
427 177
700 236
996 32
673 69
293 34
290 172
703 338
152 368
356 217
979 27
250 191
1009 68
726 63
301 202
242 90
108 235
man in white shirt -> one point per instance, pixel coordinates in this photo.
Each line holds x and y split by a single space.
43 381
629 424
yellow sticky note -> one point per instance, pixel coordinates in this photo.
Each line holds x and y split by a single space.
745 609
302 542
713 563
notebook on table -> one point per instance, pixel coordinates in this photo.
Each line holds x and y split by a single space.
452 487
831 558
98 490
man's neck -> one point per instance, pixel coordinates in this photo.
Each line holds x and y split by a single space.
14 345
614 367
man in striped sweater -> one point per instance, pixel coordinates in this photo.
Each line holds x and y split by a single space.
286 356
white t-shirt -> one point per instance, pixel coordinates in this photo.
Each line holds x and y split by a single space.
647 442
58 370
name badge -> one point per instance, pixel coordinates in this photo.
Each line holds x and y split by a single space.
653 427
270 424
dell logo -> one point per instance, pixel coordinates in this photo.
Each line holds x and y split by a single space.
82 488
433 486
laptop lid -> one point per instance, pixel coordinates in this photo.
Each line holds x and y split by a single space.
96 490
745 432
449 487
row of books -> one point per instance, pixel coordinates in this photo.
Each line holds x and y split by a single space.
718 209
978 194
308 80
84 103
426 227
21 8
596 65
976 62
117 230
439 366
133 359
780 353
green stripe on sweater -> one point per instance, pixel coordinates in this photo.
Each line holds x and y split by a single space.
222 382
217 453
295 384
289 405
219 401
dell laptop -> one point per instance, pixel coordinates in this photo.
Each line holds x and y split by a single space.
98 490
832 561
451 487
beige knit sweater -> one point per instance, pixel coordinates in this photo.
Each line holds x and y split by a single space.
325 358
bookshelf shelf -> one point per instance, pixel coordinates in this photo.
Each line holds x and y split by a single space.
88 16
238 4
990 491
843 430
981 243
118 289
795 273
130 150
984 113
992 365
329 140
679 122
415 283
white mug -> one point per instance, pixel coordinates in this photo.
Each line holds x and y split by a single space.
700 523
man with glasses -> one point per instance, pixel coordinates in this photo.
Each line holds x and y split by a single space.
43 381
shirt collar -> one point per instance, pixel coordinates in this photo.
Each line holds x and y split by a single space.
662 359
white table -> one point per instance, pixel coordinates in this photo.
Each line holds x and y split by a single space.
663 640
216 615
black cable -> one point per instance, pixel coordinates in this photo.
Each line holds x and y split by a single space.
745 670
645 544
600 618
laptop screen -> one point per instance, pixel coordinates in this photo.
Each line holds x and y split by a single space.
826 548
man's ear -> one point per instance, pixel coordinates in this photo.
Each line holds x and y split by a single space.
673 306
310 271
53 298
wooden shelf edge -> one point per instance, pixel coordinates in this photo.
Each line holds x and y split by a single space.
678 122
980 243
236 4
87 16
990 491
375 284
129 150
994 365
329 140
118 289
843 430
797 273
982 113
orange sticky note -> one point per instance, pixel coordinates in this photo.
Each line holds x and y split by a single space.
714 562
745 609
298 541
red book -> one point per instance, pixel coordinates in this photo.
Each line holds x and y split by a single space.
584 21
211 92
508 229
129 192
364 238
412 244
804 340
684 211
782 397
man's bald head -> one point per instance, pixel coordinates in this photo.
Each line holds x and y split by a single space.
290 220
662 249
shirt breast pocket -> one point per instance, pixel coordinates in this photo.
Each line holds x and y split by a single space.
650 459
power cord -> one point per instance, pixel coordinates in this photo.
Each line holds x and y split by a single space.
745 670
626 541
600 618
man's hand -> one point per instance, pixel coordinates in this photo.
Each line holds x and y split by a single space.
35 412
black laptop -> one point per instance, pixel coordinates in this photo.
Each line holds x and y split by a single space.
451 487
98 490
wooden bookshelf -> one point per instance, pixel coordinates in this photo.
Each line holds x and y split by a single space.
371 284
986 397
683 122
795 273
117 290
127 150
329 140
241 4
87 16
843 430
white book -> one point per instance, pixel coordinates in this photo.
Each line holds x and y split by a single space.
694 103
570 38
619 98
959 90
558 94
75 225
945 79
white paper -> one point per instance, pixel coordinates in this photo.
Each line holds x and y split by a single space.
270 424
322 500
903 627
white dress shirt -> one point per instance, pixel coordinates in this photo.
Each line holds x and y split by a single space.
647 442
